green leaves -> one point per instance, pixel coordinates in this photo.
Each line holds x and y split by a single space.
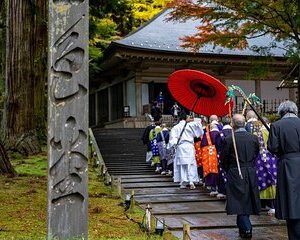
113 19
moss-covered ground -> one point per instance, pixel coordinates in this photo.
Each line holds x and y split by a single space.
23 205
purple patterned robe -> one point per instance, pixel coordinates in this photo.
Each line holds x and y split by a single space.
266 165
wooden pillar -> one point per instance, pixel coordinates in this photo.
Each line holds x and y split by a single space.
292 94
138 98
68 119
257 85
96 108
109 105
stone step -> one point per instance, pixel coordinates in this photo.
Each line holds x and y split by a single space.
146 185
147 180
141 172
123 159
258 233
185 208
215 220
132 168
163 191
129 173
123 164
173 198
138 177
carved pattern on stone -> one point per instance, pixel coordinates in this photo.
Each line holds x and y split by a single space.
69 140
68 61
70 165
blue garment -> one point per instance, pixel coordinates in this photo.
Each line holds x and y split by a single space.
166 136
243 223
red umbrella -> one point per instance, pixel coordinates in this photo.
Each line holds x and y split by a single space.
199 92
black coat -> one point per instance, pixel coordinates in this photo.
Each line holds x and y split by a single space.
242 194
284 141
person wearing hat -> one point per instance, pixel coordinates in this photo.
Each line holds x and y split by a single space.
182 139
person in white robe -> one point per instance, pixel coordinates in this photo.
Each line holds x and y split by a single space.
185 166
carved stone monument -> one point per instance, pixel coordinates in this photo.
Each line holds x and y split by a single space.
68 119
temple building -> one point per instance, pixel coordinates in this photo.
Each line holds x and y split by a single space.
136 69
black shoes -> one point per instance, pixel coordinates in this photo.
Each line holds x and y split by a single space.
245 234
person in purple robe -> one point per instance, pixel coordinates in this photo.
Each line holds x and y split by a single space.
226 131
215 118
266 169
211 180
266 163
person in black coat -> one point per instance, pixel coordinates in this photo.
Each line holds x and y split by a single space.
242 193
284 141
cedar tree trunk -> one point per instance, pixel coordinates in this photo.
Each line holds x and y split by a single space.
25 74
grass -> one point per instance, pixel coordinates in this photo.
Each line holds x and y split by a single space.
23 206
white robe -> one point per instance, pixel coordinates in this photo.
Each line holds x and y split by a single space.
185 166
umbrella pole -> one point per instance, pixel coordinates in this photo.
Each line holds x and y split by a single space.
198 97
234 145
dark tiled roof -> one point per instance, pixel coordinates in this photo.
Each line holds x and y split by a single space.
160 35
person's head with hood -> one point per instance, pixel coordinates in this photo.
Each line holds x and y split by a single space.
287 107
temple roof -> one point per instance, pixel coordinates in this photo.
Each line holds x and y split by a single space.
161 35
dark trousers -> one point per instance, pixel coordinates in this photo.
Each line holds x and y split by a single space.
221 185
170 167
164 164
200 172
243 223
293 227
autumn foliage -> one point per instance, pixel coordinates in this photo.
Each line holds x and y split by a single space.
231 23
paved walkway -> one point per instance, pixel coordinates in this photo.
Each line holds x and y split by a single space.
205 214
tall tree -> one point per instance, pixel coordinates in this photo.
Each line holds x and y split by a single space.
25 74
2 51
232 23
113 19
5 165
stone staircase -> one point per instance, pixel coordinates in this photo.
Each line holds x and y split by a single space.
124 156
123 151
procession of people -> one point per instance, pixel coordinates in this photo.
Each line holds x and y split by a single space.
242 158
202 154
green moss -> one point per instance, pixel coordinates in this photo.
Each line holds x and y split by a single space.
31 166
